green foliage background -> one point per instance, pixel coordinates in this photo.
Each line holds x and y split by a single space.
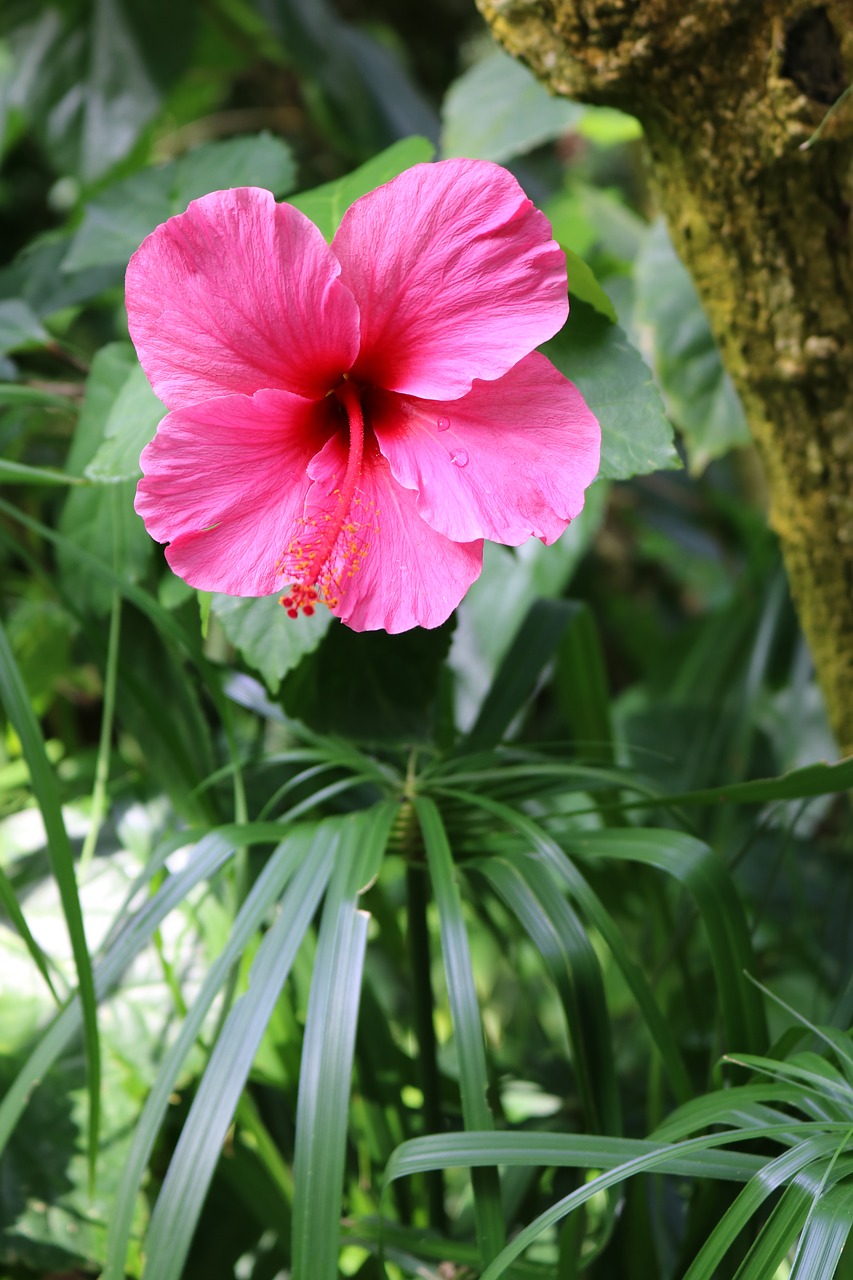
521 947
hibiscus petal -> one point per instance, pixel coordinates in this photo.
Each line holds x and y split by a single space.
239 294
225 483
402 574
455 274
508 461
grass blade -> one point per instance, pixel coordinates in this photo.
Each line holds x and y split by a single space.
567 874
825 1235
281 866
566 1151
14 695
529 890
705 878
534 646
465 1014
211 853
327 1054
199 1147
9 902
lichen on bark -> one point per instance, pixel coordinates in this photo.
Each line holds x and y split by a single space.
728 91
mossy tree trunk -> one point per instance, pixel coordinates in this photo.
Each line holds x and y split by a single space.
727 91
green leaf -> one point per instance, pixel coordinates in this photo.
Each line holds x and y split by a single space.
117 220
567 1151
798 784
581 687
19 326
394 694
327 1053
277 872
194 1161
326 205
498 109
617 384
531 893
101 520
584 287
534 646
600 919
465 1015
698 392
129 427
90 81
568 1204
513 578
270 641
705 877
16 701
20 473
823 1240
774 1174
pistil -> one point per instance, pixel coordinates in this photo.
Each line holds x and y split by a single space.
311 564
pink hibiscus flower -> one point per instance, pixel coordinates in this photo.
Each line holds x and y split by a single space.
349 422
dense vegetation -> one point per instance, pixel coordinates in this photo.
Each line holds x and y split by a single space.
521 946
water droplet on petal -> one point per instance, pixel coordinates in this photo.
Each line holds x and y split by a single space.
443 423
459 458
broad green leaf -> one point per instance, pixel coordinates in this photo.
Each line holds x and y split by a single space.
36 276
326 205
269 641
101 519
584 287
19 326
90 81
636 436
394 694
698 392
45 1165
117 220
498 109
130 425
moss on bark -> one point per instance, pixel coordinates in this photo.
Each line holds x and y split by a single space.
727 91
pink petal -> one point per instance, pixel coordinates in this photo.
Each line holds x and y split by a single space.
508 461
225 483
239 294
455 274
406 574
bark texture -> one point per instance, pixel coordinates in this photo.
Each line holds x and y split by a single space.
727 91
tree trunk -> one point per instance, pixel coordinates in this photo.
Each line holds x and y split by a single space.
728 90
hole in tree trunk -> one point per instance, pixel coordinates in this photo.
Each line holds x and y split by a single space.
813 57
